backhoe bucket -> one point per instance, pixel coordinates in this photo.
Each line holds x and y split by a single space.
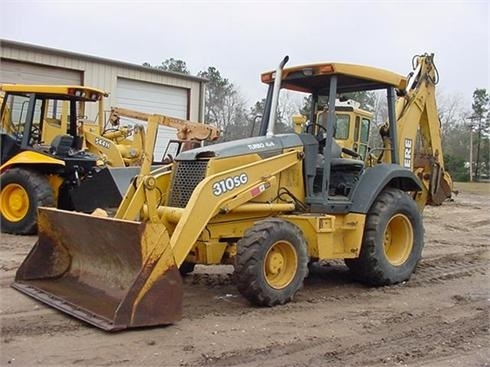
114 274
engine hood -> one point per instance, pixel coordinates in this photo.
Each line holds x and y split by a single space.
262 145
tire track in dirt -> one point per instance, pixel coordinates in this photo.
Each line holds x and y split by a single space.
38 323
397 341
449 267
421 338
429 271
416 338
318 289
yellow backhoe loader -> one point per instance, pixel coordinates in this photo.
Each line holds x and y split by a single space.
264 204
42 161
52 157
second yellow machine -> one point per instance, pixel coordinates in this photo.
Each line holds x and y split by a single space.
268 205
52 155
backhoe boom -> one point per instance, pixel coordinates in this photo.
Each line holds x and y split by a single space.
186 130
418 137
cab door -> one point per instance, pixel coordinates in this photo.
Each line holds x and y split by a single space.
361 136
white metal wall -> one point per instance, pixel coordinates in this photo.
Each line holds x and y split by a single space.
154 98
27 73
103 73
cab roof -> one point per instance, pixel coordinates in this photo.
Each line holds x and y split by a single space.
79 91
315 78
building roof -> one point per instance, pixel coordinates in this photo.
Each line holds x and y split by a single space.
70 54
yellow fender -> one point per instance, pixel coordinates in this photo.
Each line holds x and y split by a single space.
30 157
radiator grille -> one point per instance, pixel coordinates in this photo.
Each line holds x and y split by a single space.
187 176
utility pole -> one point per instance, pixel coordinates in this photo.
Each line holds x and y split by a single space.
472 119
471 151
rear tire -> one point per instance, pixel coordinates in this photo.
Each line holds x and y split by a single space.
22 192
393 240
271 262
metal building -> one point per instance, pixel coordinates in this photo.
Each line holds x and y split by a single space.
132 86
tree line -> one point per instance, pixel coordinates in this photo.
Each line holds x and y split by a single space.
465 132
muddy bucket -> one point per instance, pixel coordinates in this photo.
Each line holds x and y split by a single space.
113 274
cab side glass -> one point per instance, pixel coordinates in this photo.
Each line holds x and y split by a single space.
14 114
342 127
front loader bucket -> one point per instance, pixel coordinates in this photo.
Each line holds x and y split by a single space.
114 274
104 189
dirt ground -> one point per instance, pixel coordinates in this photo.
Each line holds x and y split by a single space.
439 318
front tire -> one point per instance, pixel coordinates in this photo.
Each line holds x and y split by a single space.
186 268
271 262
22 192
393 240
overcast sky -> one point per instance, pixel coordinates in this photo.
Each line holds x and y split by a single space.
243 39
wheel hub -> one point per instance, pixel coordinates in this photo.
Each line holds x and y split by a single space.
15 202
275 262
398 239
280 265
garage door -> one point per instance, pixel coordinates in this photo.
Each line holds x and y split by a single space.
154 98
25 73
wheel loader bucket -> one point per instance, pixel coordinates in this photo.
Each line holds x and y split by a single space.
114 274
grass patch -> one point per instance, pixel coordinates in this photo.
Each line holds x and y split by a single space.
473 187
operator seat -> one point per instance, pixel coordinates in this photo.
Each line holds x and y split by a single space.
62 145
336 159
344 172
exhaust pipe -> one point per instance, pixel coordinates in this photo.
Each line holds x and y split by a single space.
275 96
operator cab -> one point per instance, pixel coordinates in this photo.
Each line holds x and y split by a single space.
35 116
330 182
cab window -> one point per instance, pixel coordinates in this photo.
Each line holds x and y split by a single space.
356 129
342 127
365 130
15 114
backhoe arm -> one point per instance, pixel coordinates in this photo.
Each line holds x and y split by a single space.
186 130
419 132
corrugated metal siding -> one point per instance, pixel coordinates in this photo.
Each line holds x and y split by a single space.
103 74
154 98
16 72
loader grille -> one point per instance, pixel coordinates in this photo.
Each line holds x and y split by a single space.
187 176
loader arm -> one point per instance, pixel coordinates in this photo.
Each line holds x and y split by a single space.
103 147
142 191
418 137
204 205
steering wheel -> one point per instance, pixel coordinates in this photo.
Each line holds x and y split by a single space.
320 136
309 129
